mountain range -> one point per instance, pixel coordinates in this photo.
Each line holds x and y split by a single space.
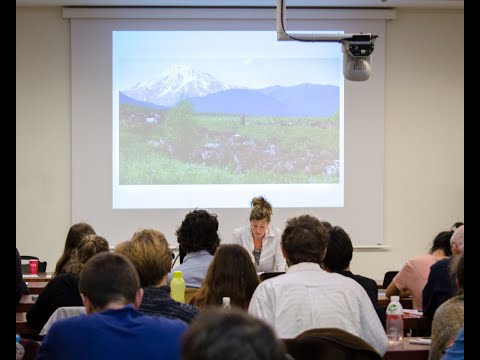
209 95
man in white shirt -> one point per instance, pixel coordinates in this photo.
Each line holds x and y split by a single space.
307 297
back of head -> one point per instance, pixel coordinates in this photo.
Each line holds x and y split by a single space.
216 334
442 242
149 252
456 241
304 240
89 246
231 273
261 209
457 270
198 231
74 236
109 277
339 250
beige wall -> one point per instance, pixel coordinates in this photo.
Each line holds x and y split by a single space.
424 134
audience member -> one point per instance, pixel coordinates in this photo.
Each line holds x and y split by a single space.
308 297
231 273
413 276
441 285
260 238
197 237
457 350
448 320
338 257
62 290
217 334
75 234
113 329
148 251
21 287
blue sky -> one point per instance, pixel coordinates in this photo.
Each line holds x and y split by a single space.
245 58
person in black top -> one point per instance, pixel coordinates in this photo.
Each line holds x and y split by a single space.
441 284
338 257
21 287
62 290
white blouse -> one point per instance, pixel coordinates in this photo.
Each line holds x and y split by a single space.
271 258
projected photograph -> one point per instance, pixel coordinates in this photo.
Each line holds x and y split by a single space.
225 107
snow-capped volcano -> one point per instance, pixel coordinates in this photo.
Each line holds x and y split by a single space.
181 81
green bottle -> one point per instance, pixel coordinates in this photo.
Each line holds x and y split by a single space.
177 287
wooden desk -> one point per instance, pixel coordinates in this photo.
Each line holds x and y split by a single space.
46 276
26 303
22 325
379 284
405 350
36 287
416 322
407 303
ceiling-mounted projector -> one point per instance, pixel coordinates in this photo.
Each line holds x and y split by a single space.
356 48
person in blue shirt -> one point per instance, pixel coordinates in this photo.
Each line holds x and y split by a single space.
457 350
113 328
198 240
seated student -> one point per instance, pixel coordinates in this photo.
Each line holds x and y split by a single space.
441 285
338 257
198 239
148 251
74 236
230 335
232 274
62 290
21 287
113 328
449 317
308 297
413 276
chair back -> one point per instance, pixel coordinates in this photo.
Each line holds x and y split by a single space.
388 277
62 313
189 294
330 344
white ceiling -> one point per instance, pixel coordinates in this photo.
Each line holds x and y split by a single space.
429 4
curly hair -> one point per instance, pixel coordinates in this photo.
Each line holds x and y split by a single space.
198 231
231 273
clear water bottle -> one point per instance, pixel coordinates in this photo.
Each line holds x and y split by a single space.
177 287
20 349
226 303
394 324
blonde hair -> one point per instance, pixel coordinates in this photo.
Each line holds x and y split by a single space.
261 209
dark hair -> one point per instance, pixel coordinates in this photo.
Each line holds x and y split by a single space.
148 251
261 209
457 225
198 231
231 273
217 334
339 250
109 277
304 240
442 242
88 246
75 234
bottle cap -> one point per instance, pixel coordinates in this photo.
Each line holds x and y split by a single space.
226 299
394 298
177 273
18 338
